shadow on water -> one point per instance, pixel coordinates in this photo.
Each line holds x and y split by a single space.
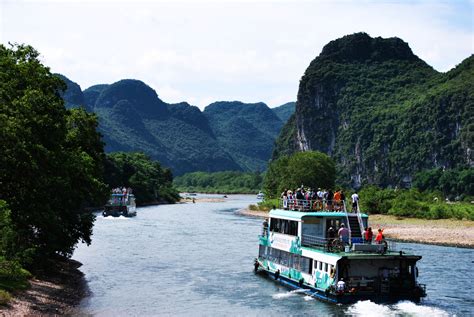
197 259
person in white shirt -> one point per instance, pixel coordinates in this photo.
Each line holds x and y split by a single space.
341 285
355 202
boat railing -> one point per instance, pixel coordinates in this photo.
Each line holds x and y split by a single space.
336 245
312 205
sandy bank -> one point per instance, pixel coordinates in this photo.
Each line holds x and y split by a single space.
57 293
449 232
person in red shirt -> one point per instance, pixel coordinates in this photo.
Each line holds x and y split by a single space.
368 235
379 237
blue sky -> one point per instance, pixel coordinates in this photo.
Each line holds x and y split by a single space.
204 51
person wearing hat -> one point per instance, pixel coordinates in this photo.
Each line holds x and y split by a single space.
343 234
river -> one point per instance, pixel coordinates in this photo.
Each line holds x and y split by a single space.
197 259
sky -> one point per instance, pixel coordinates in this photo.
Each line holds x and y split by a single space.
206 51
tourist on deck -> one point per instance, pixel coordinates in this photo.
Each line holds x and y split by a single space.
330 200
337 200
299 197
364 233
290 200
369 235
343 234
284 197
355 202
343 199
379 238
331 235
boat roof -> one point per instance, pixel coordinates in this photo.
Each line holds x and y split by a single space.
298 215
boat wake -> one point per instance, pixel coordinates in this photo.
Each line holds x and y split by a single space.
288 294
404 308
113 218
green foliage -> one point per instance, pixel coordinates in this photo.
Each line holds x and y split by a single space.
245 131
313 169
453 183
382 113
229 182
413 204
285 111
13 276
149 181
5 297
50 167
375 200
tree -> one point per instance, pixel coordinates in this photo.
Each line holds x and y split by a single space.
312 169
149 181
51 166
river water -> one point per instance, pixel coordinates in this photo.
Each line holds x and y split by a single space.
197 259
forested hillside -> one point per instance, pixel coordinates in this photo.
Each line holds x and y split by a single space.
226 136
381 112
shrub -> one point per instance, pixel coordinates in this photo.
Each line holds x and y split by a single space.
5 297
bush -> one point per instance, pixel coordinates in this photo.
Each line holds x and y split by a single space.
5 297
13 276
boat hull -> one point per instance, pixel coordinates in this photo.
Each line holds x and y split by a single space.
339 298
117 211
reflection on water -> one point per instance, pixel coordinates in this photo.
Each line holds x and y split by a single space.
197 259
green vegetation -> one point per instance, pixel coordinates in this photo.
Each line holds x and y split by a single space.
285 111
150 182
413 203
229 182
382 113
245 131
226 136
313 169
51 168
266 205
455 184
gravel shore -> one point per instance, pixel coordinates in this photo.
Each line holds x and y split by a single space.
448 232
57 292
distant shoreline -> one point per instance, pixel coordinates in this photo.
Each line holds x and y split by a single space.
443 232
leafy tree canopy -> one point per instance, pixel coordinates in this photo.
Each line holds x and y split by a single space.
149 181
51 162
312 169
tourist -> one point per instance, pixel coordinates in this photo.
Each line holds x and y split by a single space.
330 200
343 199
341 286
379 238
337 200
369 235
343 234
355 202
331 235
364 234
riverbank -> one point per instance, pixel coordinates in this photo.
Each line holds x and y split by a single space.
447 232
56 292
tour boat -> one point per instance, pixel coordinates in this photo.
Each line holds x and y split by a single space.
260 195
295 250
122 204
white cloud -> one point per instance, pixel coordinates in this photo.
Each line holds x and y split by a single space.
202 51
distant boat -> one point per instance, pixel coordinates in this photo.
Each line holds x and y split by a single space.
121 205
260 195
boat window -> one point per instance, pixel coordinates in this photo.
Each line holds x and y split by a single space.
320 266
326 267
261 251
330 268
284 226
315 265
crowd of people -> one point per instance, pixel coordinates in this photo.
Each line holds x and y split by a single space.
322 199
126 192
343 234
